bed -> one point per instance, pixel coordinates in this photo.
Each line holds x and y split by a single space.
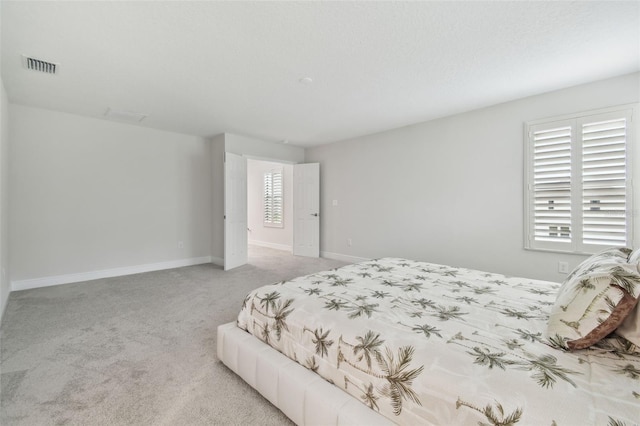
399 341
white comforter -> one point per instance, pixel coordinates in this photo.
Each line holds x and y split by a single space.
425 343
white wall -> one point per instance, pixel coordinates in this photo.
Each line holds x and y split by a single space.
5 284
92 195
450 190
269 236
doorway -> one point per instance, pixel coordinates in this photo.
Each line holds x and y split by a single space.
270 204
305 200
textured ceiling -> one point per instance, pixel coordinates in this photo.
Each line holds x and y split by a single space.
205 68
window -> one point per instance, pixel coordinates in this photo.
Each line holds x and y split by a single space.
273 199
578 182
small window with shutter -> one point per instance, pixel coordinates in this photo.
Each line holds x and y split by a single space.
273 199
578 182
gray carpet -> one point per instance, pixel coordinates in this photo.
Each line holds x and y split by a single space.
139 349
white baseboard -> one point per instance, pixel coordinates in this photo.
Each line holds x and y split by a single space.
217 261
271 245
343 257
108 273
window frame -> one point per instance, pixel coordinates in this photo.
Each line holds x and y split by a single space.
576 120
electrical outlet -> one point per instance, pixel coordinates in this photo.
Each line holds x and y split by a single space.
563 267
335 203
349 242
180 244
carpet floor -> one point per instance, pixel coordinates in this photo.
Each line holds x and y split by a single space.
135 350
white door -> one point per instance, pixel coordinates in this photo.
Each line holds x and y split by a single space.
235 211
306 209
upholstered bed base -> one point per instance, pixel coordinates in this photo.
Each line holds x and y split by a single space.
300 394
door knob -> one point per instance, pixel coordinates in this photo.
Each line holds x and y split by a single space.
314 214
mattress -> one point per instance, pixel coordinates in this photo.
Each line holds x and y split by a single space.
299 393
421 343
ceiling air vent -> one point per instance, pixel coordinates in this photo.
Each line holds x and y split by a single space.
131 117
40 65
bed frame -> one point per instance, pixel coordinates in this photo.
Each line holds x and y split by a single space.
303 396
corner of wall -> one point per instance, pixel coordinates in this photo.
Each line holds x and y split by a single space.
218 144
5 273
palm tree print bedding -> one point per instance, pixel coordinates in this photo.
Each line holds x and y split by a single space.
431 344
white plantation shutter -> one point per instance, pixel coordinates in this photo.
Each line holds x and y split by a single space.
552 182
273 199
578 189
604 180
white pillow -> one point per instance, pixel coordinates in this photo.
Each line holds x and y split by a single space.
594 300
630 327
